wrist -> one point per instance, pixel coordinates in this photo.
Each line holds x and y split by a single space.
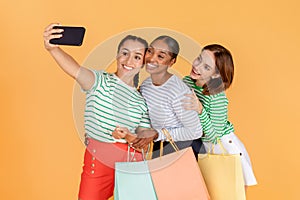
52 49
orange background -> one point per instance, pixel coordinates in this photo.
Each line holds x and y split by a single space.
41 153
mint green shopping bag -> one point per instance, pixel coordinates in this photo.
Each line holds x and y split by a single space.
133 181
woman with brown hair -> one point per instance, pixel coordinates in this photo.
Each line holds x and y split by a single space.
212 73
111 101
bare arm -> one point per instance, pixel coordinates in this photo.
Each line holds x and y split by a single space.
67 63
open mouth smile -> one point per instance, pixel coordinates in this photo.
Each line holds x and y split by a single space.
151 66
128 68
195 72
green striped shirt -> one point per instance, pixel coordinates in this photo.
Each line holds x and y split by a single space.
110 103
214 114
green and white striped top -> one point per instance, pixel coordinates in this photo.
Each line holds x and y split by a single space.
214 114
110 103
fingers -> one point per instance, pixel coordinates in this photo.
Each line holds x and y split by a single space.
50 30
123 129
121 133
118 134
135 141
187 100
50 26
146 134
190 107
115 135
130 138
189 95
140 143
191 103
194 93
192 96
51 33
54 36
192 100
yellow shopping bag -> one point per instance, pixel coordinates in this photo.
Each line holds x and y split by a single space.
223 175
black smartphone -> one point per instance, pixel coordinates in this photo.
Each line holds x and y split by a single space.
72 36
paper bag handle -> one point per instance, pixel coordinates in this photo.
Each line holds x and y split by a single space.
169 137
145 157
224 151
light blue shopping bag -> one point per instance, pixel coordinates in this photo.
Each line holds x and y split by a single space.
133 181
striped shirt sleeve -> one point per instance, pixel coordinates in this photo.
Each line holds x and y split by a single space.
214 119
188 128
145 121
98 81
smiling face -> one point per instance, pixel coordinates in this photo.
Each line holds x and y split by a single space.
130 58
158 58
204 67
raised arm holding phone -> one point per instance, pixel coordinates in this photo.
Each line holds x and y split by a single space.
112 104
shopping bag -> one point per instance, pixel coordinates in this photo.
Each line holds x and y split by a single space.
133 181
177 176
223 175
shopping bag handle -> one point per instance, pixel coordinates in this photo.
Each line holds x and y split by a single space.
130 158
224 151
150 151
169 137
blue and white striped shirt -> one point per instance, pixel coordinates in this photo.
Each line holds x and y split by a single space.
166 110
